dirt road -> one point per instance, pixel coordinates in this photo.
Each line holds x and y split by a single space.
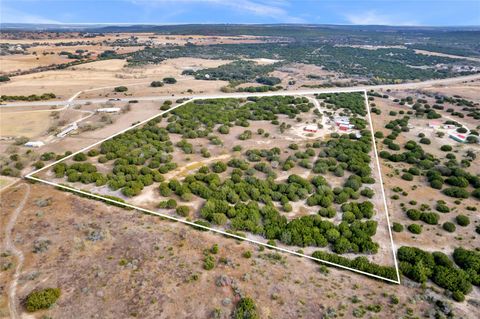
400 86
8 245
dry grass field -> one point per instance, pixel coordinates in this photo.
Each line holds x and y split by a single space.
111 73
29 124
20 62
118 263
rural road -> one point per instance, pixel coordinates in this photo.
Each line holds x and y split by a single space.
408 85
10 246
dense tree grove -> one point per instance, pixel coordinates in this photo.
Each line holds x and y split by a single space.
354 102
457 276
29 98
243 193
381 65
237 71
360 263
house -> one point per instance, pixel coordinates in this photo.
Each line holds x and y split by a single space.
311 128
342 120
35 144
343 127
458 137
109 110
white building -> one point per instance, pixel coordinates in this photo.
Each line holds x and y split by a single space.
34 144
342 120
68 129
311 128
109 110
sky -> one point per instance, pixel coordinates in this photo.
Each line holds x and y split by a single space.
379 12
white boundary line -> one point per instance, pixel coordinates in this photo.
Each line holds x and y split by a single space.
147 211
394 254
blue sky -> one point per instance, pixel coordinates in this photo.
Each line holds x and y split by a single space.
386 12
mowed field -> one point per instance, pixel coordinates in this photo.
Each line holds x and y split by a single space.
28 124
17 62
111 73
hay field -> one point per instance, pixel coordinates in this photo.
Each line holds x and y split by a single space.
109 73
16 62
29 124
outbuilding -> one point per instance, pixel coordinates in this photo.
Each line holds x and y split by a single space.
109 110
35 144
458 137
311 128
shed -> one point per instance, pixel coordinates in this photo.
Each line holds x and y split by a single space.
311 128
34 144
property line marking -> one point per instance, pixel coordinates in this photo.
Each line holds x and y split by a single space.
381 184
147 211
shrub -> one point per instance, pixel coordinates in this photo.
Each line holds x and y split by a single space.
168 204
425 140
367 192
219 167
430 218
169 80
246 309
208 262
121 89
476 193
378 134
414 214
448 226
415 228
183 210
456 192
37 164
458 296
397 227
436 183
462 220
214 249
247 254
42 299
446 148
156 84
80 157
442 208
407 177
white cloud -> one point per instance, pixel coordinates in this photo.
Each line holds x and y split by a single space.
374 18
10 15
266 8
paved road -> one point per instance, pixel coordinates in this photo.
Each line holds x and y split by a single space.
409 85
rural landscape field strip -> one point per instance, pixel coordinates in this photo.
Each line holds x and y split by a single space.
124 204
